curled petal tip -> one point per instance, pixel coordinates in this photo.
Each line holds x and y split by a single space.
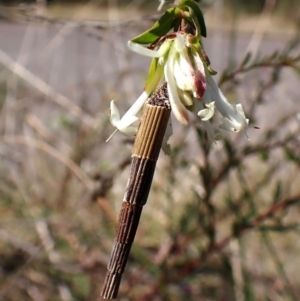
135 47
207 113
114 114
240 110
234 125
141 49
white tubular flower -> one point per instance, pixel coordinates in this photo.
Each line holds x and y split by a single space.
190 87
184 73
167 55
177 106
189 69
234 116
124 124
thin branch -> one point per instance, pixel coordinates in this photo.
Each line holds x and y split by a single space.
53 152
189 267
44 88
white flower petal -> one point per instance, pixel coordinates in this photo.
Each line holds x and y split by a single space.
240 110
179 42
138 48
185 98
188 69
114 114
207 124
182 80
161 4
234 125
207 113
208 95
137 106
125 122
227 125
178 108
234 116
124 127
199 64
169 132
199 79
184 70
129 131
203 113
223 106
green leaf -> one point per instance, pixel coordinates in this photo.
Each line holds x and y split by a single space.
277 192
274 56
176 24
160 28
264 155
197 11
211 71
291 155
152 67
248 288
206 60
155 75
246 59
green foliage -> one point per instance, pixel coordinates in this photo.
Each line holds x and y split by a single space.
194 8
171 19
160 28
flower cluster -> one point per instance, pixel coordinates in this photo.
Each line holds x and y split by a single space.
191 87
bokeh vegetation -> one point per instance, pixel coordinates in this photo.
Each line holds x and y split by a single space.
222 219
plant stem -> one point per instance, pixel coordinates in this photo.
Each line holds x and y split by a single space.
145 153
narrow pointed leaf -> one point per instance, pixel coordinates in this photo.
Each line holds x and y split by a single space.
277 192
159 29
152 70
246 59
197 11
206 60
155 74
176 24
211 70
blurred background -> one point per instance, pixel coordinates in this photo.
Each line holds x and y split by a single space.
222 219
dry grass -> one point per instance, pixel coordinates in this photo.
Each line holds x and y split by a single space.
222 221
